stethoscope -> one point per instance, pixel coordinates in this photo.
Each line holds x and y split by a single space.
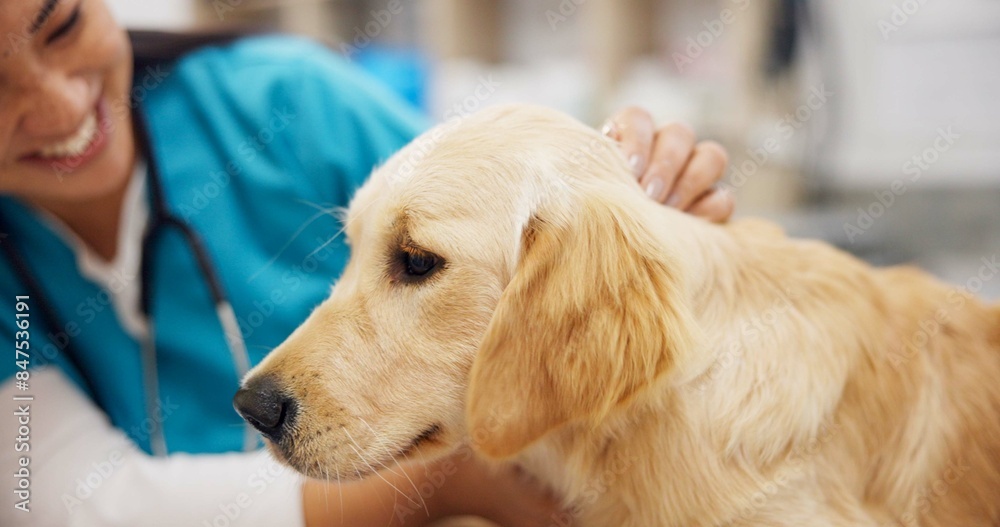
161 220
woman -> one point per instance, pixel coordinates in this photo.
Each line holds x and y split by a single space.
251 146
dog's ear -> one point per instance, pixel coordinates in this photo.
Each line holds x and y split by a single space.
594 312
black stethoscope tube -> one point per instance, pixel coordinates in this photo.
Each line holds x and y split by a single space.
41 300
161 219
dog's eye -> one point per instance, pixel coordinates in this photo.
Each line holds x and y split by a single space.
411 264
419 263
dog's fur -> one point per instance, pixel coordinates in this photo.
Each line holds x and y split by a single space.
655 369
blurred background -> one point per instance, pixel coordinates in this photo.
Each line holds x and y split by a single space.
873 124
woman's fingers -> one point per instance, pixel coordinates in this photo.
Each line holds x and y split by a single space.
671 165
634 130
716 205
672 148
704 169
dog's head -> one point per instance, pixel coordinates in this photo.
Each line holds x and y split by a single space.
503 282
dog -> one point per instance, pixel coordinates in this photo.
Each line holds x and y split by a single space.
510 285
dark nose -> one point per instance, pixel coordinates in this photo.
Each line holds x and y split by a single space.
264 405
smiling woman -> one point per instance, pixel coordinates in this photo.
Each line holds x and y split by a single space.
249 135
62 149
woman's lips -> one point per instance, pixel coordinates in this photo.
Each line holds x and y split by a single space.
75 152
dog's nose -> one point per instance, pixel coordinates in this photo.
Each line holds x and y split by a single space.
264 405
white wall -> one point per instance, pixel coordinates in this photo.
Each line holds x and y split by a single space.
902 78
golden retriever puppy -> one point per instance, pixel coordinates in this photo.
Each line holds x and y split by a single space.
511 285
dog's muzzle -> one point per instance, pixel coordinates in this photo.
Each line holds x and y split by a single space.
263 404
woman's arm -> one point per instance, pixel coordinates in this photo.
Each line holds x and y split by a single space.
373 502
415 494
85 472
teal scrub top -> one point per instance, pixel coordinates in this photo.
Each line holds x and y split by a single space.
257 143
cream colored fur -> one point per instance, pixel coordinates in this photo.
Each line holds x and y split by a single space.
655 369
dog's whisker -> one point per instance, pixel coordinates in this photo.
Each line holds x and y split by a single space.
337 234
386 467
395 502
420 454
326 495
357 451
287 244
423 502
401 469
340 490
357 473
380 443
331 210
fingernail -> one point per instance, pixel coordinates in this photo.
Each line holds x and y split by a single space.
635 163
608 129
673 200
654 188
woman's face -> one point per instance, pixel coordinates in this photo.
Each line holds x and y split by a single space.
65 127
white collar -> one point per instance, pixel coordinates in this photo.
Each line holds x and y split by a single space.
120 277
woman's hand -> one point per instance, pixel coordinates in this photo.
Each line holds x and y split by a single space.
413 495
504 495
672 166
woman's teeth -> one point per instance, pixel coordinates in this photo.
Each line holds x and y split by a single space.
76 145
